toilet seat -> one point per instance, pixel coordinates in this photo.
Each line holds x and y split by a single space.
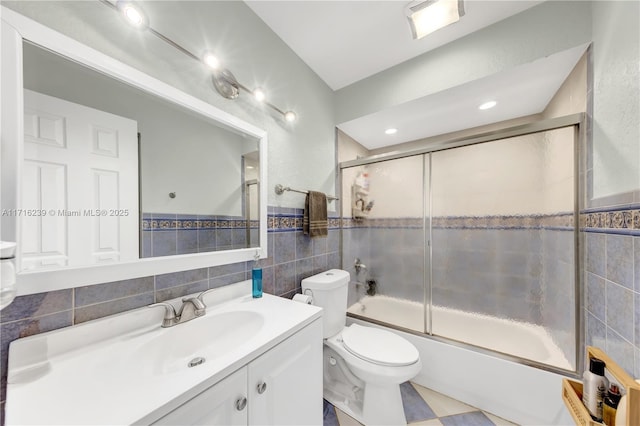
379 346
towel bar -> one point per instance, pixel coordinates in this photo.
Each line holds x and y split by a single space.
281 189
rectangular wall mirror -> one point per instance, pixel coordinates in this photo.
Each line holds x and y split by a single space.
117 175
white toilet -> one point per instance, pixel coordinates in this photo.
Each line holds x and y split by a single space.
363 366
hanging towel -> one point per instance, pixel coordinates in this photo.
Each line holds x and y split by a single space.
314 222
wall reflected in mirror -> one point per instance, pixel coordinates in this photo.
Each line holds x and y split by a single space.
118 174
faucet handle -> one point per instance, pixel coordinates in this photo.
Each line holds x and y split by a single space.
201 295
169 313
198 305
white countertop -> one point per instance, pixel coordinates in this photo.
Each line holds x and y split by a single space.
93 373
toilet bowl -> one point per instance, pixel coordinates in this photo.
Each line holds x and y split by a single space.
363 366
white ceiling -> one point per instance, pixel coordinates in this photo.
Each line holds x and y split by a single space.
520 91
346 41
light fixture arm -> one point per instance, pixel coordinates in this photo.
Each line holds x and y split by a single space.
224 81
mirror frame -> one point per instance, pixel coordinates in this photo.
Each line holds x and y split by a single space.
17 28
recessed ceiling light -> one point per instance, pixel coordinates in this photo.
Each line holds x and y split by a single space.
427 16
250 167
211 61
391 131
488 105
259 95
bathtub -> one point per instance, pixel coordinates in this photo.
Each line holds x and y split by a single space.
512 390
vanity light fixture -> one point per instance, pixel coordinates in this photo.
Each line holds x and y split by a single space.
391 131
427 16
211 61
259 95
133 14
223 80
290 116
487 105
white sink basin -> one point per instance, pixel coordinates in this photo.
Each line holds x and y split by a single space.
208 337
127 369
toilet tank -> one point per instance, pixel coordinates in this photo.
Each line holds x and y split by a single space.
329 291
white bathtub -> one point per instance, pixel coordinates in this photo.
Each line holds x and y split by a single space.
524 340
516 392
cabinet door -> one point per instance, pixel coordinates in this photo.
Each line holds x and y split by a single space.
221 404
285 384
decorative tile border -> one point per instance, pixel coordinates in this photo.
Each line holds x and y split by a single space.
288 222
224 222
616 221
561 221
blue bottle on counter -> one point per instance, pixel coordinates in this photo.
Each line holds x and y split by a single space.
256 278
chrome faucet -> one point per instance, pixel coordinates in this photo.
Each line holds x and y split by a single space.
192 307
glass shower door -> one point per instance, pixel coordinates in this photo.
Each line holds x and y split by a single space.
384 204
503 246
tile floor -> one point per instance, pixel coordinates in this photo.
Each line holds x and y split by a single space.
424 407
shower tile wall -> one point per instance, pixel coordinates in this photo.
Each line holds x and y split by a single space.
612 282
292 257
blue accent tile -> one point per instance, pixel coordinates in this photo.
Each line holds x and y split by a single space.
284 277
111 307
267 280
175 279
226 280
232 268
147 247
224 238
596 253
620 310
415 408
620 350
595 295
304 246
319 245
187 241
474 418
164 243
636 261
637 323
183 290
304 269
36 305
596 332
320 263
620 260
92 294
284 247
329 417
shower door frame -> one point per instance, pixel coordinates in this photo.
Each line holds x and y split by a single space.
577 121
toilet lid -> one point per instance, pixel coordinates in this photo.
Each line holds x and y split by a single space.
379 346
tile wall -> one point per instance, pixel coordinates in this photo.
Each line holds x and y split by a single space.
514 267
292 257
166 234
612 282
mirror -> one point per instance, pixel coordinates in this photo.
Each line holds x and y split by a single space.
190 172
116 168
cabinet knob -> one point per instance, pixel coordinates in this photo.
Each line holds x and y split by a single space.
262 386
241 403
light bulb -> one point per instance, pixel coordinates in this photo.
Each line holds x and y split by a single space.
133 14
290 116
391 131
211 61
488 105
259 95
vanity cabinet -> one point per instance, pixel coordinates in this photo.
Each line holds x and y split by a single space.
283 386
